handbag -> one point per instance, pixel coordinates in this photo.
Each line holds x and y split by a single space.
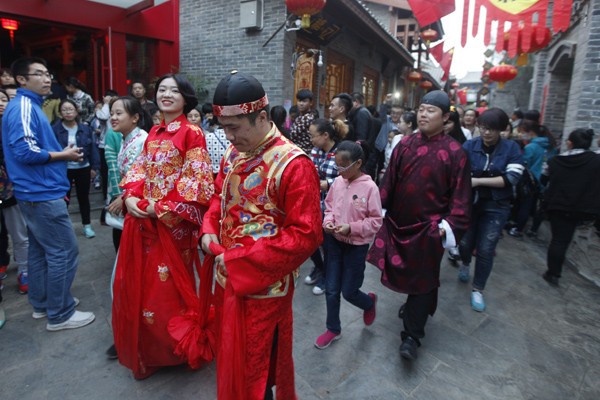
114 221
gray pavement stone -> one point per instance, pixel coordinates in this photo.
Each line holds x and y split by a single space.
533 342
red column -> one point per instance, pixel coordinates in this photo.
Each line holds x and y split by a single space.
119 63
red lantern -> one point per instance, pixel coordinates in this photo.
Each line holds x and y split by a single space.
305 9
414 76
429 35
10 25
502 74
425 85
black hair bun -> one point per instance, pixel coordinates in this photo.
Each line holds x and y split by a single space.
589 133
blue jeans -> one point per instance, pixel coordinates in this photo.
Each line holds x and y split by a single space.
345 274
489 217
53 258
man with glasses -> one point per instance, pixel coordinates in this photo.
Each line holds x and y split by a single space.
37 165
427 194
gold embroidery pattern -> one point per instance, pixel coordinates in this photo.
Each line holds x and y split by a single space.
163 162
196 180
163 272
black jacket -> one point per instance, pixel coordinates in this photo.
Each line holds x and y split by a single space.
574 183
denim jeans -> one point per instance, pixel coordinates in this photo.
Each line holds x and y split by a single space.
345 274
489 217
53 258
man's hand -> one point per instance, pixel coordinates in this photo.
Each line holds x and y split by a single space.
133 209
69 153
206 240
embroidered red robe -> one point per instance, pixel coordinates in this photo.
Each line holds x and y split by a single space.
267 215
154 280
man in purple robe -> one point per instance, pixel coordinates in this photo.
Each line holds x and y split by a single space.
427 194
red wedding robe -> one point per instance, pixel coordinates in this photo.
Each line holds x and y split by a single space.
266 238
427 180
155 300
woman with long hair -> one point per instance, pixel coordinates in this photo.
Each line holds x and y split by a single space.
166 192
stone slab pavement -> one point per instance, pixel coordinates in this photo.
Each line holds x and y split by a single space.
533 342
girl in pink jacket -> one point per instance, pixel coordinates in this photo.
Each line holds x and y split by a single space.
352 218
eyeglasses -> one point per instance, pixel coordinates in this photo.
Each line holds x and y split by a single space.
41 74
344 169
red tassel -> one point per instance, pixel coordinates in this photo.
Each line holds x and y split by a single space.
465 23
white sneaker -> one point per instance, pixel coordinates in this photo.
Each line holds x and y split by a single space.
43 314
88 232
77 320
318 290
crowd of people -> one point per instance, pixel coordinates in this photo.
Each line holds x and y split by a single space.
260 193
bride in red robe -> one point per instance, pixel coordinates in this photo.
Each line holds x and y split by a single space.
166 193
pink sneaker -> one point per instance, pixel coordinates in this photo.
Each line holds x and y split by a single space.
326 339
370 314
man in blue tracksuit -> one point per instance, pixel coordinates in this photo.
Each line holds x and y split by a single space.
37 166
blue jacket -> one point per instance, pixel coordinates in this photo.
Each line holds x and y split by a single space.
536 153
85 140
27 137
506 161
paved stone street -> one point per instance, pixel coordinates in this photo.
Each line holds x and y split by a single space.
533 342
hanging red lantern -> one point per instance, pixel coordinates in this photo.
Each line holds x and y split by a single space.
305 9
11 26
502 74
425 85
414 76
429 35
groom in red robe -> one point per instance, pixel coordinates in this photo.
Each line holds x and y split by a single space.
266 216
427 194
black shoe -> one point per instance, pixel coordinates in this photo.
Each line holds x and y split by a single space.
111 353
551 279
408 348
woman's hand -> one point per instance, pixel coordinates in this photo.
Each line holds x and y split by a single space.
329 227
133 209
116 206
343 229
150 209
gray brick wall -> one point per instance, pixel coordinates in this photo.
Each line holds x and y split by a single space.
212 44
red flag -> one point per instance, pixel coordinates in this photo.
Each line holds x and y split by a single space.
446 63
437 51
428 11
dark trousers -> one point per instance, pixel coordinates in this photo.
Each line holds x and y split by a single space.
81 177
345 275
103 174
416 310
562 225
4 256
116 236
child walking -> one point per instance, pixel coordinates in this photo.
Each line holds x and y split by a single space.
352 217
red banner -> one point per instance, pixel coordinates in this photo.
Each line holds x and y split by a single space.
521 14
446 63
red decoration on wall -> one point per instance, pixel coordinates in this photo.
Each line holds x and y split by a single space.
11 26
521 15
305 9
502 74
